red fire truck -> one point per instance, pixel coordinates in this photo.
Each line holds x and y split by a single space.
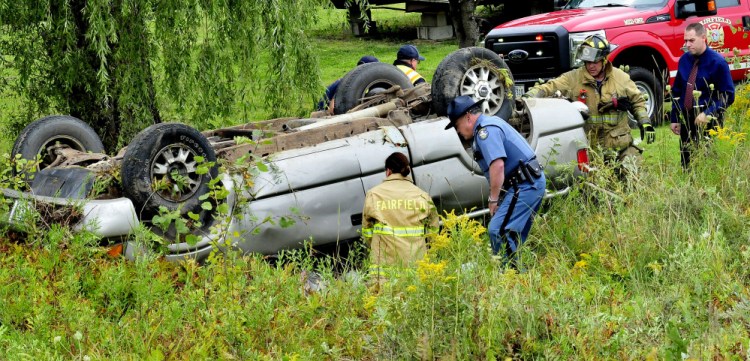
647 35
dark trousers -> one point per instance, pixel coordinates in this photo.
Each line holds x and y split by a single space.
692 138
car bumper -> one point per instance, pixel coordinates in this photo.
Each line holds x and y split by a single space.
105 218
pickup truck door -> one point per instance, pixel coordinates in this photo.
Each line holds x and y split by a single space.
724 32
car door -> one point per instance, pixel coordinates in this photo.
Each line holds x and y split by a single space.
724 32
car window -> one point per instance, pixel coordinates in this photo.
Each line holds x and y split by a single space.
578 4
727 3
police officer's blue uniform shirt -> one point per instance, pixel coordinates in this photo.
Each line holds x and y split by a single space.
712 69
495 139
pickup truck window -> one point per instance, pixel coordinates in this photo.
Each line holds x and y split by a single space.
727 3
581 4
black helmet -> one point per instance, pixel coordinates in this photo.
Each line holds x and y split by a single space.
593 49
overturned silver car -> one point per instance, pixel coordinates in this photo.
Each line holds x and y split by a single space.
273 185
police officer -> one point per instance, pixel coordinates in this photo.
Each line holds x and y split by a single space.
517 182
397 217
407 60
704 70
609 94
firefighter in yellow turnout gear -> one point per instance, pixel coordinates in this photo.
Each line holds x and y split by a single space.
609 94
397 218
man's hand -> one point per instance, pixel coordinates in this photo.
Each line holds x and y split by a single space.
648 133
675 128
493 208
701 120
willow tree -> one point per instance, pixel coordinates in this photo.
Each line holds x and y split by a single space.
122 65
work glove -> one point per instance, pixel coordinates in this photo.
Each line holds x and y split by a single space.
620 104
648 133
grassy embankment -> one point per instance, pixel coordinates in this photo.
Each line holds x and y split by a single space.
659 275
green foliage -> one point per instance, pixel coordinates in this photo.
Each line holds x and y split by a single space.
654 269
121 66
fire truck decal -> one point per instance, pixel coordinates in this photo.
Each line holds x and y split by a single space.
715 30
635 21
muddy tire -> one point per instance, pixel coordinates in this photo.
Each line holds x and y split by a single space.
159 169
650 85
478 73
366 80
40 136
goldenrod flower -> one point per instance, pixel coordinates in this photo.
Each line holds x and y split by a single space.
428 271
370 302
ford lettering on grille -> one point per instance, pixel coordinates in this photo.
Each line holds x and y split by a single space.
518 55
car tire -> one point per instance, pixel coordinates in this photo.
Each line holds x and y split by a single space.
365 80
150 162
478 73
650 84
37 137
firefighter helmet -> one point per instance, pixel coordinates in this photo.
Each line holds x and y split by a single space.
594 48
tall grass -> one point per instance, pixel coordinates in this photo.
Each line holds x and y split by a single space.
657 271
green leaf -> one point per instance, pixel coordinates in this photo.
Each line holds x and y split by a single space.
207 206
193 216
192 239
261 166
180 226
223 208
285 222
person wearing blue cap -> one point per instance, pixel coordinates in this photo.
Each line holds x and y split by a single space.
517 181
407 59
326 103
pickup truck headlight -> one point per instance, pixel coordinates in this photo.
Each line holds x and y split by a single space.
575 40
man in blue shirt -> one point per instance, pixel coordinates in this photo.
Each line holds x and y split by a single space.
703 70
517 182
326 103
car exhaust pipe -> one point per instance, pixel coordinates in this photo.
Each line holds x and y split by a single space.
378 111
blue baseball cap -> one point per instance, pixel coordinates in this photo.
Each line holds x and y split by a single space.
409 52
458 107
367 59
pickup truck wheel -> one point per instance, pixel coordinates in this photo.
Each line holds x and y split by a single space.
478 73
366 80
44 135
650 85
160 169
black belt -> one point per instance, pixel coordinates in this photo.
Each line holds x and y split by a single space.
525 172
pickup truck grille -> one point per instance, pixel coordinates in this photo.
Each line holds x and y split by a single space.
531 55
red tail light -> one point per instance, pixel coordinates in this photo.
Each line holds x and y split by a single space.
583 159
539 37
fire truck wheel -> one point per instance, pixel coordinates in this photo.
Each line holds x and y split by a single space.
650 85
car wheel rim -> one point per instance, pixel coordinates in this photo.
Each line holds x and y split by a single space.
483 83
646 91
48 147
174 173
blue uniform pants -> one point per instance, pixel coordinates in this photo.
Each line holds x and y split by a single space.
516 216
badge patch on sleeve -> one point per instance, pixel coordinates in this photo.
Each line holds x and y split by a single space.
483 134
